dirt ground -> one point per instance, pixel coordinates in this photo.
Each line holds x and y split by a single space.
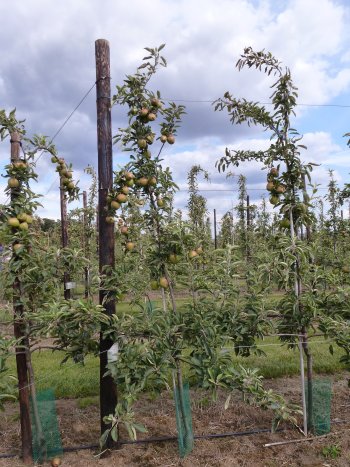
80 427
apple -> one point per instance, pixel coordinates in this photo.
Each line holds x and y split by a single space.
121 198
171 139
56 462
160 202
142 143
150 138
192 254
144 112
115 205
143 181
13 182
274 172
124 230
129 175
13 222
285 223
270 186
156 103
23 226
29 219
22 217
173 258
70 185
125 190
129 182
163 282
163 139
154 285
130 246
274 199
151 117
17 247
152 181
199 250
110 220
54 159
280 189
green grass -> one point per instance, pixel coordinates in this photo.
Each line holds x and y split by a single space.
67 380
281 361
85 402
5 315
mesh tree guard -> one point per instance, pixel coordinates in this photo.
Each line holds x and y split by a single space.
46 436
320 423
183 419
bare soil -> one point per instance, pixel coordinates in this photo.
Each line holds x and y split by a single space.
81 427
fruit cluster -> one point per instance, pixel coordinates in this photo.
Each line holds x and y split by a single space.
124 230
21 221
66 176
161 282
117 197
274 186
195 252
18 172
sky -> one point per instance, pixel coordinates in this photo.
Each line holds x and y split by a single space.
48 64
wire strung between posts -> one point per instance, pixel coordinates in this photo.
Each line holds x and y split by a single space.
212 101
68 118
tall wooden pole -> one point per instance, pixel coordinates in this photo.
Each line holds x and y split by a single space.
64 236
248 212
86 244
248 228
215 234
108 390
22 370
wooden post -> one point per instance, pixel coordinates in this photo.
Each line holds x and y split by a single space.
215 236
86 245
64 235
302 379
22 369
305 199
248 212
247 236
108 390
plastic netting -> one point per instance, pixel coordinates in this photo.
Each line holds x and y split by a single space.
46 436
320 422
183 419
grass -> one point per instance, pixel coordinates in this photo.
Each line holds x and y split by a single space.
282 361
5 315
67 380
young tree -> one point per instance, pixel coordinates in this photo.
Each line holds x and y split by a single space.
285 179
197 204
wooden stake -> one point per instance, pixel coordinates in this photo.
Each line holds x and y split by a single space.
22 370
215 236
86 245
64 236
302 378
108 392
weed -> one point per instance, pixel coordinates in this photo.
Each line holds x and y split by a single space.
333 451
